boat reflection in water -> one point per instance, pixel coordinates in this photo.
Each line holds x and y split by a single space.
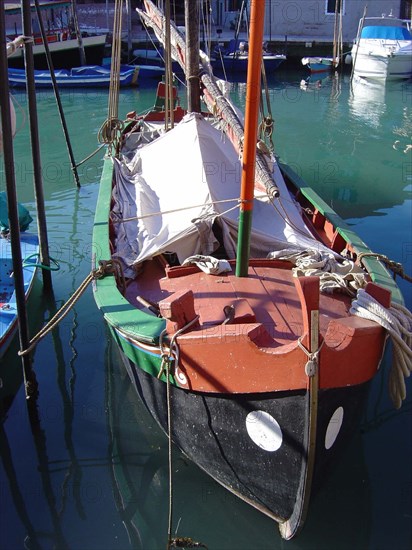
367 100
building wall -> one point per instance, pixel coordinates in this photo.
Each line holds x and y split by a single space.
306 20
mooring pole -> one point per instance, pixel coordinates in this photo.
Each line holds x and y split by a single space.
56 93
82 52
35 145
30 384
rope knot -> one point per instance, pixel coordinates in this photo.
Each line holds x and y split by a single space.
110 267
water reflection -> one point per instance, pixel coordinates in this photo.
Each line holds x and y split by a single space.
92 473
367 100
40 465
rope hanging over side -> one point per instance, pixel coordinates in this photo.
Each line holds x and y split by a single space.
105 268
168 356
397 320
395 267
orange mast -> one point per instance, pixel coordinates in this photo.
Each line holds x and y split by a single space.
257 15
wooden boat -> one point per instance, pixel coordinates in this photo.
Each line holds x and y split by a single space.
153 61
61 37
234 58
318 64
90 76
257 375
383 48
29 250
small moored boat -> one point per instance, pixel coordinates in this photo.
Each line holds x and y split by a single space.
235 56
62 39
90 76
320 64
29 252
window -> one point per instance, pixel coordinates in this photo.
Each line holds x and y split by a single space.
332 5
233 5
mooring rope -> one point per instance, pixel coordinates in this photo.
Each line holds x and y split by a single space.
105 268
91 155
172 354
397 321
395 267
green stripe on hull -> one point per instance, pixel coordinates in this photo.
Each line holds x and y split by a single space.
117 311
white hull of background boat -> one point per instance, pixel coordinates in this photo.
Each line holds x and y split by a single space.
320 64
384 66
383 49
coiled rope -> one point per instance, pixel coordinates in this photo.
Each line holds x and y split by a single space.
397 321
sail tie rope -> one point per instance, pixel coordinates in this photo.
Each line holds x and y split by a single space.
397 321
108 267
212 203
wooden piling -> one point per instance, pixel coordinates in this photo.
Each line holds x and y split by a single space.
35 145
30 384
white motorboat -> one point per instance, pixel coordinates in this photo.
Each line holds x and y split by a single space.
383 49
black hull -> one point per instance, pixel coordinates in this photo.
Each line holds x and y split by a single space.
62 59
211 430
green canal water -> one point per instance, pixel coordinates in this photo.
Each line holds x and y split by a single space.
91 474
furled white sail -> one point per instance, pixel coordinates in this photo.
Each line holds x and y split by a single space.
171 191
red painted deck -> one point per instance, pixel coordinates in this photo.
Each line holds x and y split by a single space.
257 351
269 292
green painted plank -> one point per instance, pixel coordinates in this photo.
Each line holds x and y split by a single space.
117 311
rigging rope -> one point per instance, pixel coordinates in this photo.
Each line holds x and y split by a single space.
109 132
164 212
397 321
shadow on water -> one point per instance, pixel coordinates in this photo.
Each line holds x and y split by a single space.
43 465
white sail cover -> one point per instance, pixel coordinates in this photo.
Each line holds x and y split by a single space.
170 191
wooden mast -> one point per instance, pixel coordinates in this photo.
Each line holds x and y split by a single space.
257 14
192 56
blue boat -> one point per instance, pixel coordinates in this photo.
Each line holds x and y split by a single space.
89 76
320 64
234 57
29 252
